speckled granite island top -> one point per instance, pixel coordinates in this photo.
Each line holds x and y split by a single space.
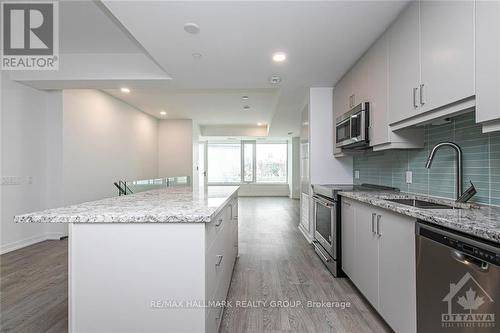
479 221
168 205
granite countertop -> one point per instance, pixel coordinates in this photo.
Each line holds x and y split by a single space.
477 220
175 205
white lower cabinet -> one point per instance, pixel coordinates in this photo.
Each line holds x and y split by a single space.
189 263
366 254
348 236
378 255
219 261
305 221
397 284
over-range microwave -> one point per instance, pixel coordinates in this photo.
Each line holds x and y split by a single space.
351 128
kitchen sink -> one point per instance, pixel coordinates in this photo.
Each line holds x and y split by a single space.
422 204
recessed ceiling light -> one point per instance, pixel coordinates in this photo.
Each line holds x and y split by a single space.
260 124
197 55
191 28
246 107
279 56
125 90
275 79
244 98
163 113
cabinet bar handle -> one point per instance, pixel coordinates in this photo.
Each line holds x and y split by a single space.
378 225
422 97
373 222
220 256
415 103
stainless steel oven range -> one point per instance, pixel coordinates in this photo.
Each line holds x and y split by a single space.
327 217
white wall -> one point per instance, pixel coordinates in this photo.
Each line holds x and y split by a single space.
264 190
54 196
294 170
66 147
23 147
175 148
196 159
324 168
104 140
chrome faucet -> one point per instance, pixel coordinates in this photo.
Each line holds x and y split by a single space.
458 155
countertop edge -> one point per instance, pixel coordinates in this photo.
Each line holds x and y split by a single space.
186 218
449 223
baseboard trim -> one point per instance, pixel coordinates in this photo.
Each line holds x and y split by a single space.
305 234
54 235
30 241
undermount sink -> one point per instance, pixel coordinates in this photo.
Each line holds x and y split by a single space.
422 204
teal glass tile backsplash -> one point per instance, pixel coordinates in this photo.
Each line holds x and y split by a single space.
481 163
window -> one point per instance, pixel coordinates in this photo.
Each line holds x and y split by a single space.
247 162
271 162
224 162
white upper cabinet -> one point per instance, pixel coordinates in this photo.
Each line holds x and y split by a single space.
342 101
360 74
431 62
404 65
488 64
374 91
422 68
342 96
447 52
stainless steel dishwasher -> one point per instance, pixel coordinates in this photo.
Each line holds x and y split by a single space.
458 282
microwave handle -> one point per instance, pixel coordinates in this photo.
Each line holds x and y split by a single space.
350 127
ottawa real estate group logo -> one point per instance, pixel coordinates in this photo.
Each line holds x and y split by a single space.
30 35
469 305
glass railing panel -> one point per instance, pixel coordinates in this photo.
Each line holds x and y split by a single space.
135 186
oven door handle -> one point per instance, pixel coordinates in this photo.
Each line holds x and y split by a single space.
323 202
320 251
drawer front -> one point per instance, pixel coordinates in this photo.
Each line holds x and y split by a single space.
234 225
214 228
221 255
215 257
213 319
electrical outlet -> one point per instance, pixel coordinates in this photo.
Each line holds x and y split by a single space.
16 180
356 174
409 177
11 180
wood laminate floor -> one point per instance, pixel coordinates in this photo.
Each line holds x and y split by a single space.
275 264
34 288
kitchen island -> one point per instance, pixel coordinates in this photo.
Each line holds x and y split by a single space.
155 261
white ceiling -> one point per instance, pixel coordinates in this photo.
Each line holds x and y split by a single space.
321 38
86 28
237 39
206 106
